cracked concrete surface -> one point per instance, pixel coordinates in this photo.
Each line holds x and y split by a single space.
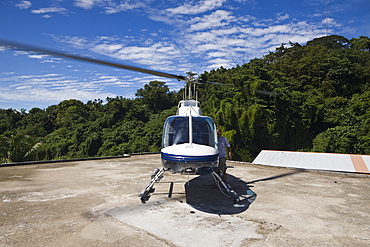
96 203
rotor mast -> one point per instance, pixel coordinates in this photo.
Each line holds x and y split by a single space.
191 81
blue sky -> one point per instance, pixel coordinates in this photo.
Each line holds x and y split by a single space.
172 36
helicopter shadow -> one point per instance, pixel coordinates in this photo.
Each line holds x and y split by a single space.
203 194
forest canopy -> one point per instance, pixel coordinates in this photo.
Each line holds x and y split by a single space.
320 103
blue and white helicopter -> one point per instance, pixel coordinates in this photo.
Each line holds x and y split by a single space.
189 143
189 140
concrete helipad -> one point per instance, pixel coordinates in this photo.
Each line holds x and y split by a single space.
95 203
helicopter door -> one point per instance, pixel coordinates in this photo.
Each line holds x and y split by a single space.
175 131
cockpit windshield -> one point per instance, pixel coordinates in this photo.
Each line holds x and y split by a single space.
177 131
204 131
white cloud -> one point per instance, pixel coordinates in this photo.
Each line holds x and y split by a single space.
112 80
52 88
236 41
109 6
272 29
86 4
330 22
76 41
49 10
156 54
108 47
218 18
24 5
218 62
203 6
282 17
113 8
23 87
8 73
38 56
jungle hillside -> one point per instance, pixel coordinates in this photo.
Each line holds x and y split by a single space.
313 97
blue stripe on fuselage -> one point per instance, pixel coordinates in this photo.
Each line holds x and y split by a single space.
186 158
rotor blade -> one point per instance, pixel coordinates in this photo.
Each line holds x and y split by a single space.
216 83
18 46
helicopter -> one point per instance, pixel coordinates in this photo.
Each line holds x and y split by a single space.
189 144
189 140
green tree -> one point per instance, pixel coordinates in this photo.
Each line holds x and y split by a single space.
70 112
156 96
330 42
17 148
361 43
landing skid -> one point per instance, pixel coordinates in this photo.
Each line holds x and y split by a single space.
157 175
229 191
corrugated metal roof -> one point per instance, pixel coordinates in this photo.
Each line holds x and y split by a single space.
319 161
